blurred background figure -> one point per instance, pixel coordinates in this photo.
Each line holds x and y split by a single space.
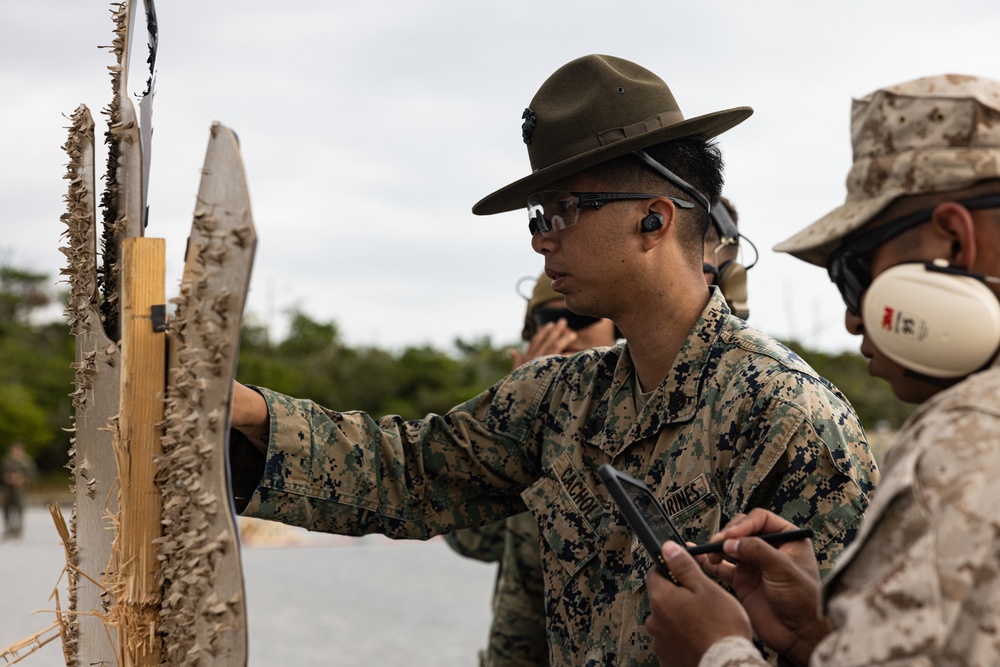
552 328
18 471
722 263
517 633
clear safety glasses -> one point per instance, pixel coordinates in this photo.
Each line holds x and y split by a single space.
554 210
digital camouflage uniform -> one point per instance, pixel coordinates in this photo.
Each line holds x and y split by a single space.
921 585
738 422
517 631
484 543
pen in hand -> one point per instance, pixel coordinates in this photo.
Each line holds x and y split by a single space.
770 538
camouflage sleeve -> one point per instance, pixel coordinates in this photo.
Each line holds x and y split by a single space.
348 473
484 543
732 652
810 463
922 586
518 632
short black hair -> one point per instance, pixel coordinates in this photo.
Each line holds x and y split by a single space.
696 159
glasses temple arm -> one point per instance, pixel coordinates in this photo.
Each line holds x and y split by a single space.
673 178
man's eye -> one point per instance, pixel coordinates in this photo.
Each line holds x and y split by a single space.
565 206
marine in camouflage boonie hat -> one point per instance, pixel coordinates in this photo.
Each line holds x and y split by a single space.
594 109
934 134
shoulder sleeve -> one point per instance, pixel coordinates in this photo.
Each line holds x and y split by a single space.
483 544
923 576
810 461
732 652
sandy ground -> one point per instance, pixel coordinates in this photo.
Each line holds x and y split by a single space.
313 599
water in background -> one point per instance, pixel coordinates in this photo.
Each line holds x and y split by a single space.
326 600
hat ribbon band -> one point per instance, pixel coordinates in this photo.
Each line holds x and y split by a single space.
608 137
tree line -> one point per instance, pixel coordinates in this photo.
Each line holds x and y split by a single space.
310 361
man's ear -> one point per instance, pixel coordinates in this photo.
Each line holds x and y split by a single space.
658 221
954 231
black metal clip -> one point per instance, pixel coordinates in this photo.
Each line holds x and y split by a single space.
158 315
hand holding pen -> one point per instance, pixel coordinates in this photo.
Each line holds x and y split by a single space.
770 538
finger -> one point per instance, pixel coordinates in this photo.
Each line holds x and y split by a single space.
683 566
562 345
770 560
722 570
721 535
543 342
539 345
756 522
551 338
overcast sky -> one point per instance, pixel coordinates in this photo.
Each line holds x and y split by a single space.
369 129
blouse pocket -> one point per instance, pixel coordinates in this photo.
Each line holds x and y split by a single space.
566 511
694 510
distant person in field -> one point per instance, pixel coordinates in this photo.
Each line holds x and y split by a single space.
18 472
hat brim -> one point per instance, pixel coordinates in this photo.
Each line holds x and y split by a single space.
921 172
815 243
515 195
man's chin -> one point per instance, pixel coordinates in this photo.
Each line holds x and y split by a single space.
904 387
574 304
915 391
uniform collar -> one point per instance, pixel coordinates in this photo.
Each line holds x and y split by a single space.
674 400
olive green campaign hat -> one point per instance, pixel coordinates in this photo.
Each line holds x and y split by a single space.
594 109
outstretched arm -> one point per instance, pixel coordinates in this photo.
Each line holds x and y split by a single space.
250 416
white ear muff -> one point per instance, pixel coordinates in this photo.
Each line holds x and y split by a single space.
732 280
940 322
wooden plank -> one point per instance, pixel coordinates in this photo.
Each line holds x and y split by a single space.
143 388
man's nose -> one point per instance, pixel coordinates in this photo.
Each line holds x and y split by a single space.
543 244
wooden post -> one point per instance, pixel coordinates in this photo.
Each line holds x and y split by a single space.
152 549
138 444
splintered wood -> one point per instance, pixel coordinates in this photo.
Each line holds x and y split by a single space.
81 274
137 445
15 653
63 625
95 400
152 550
203 615
121 200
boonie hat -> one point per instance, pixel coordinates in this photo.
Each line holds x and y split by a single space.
933 134
594 109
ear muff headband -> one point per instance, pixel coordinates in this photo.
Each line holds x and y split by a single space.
931 319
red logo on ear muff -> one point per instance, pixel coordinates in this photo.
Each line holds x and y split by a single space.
887 314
